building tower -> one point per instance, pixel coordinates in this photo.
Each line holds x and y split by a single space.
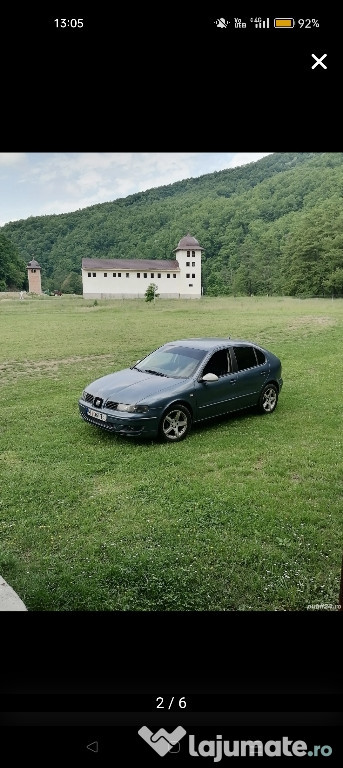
188 255
33 269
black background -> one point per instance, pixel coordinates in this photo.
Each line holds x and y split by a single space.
175 653
169 78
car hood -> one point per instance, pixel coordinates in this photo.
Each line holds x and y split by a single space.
132 386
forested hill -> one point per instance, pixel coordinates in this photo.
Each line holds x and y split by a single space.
274 226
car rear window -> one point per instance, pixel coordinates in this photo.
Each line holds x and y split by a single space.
261 358
245 357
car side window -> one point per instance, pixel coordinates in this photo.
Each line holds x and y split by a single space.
245 357
218 363
261 359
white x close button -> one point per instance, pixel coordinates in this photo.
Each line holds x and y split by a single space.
319 61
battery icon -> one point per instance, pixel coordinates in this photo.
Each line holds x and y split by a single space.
284 23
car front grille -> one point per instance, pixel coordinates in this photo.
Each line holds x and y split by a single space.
111 405
98 403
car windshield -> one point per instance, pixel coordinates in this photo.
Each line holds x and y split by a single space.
173 361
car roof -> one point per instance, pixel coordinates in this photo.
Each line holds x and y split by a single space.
209 342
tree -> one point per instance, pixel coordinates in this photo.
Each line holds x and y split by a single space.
151 292
334 283
12 268
72 284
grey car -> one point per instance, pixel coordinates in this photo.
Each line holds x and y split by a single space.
182 383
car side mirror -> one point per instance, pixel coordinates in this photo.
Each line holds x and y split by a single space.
209 377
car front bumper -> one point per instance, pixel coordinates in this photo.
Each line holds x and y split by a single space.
130 424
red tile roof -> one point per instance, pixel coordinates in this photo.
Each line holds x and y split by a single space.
138 265
188 242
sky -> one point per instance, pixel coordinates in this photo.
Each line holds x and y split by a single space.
45 183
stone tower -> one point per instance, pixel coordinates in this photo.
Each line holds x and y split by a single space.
33 269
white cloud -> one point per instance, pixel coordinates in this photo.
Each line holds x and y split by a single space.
107 176
242 158
11 158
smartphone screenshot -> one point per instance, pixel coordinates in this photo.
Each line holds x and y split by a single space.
171 287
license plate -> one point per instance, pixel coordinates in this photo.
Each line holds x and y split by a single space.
97 415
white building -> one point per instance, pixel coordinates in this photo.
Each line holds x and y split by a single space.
129 278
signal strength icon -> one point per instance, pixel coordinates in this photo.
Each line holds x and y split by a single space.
260 23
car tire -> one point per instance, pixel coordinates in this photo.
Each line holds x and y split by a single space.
175 424
268 399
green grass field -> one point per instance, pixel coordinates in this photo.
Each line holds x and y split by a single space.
244 515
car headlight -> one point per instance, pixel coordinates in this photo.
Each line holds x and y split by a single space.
132 408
